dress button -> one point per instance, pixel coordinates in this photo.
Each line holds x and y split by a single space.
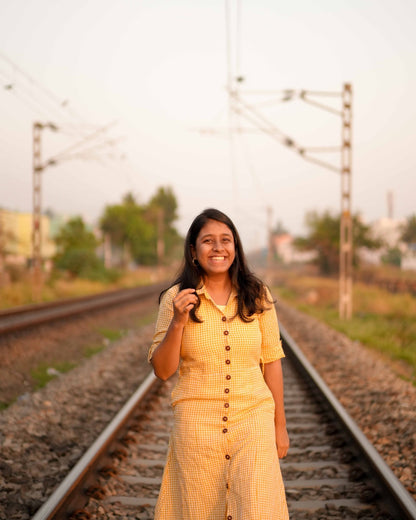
226 405
229 517
225 418
226 390
227 361
228 347
226 332
227 457
224 430
228 377
224 318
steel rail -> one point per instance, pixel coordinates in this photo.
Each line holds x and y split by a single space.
66 496
27 316
396 493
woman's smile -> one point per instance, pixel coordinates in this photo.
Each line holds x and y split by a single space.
214 248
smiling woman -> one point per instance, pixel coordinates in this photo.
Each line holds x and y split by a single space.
214 251
217 323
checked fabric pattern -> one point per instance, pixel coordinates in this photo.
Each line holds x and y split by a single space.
222 461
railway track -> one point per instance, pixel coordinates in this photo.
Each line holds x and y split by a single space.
29 316
331 470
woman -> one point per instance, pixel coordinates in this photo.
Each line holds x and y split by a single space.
217 323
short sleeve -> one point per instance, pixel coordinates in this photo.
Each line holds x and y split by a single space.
271 346
164 318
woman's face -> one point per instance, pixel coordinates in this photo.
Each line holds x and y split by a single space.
214 248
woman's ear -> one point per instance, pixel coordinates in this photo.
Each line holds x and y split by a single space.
193 251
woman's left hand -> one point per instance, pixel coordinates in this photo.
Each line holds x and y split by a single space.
282 441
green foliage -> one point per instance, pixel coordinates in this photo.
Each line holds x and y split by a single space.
75 235
128 229
136 229
324 237
393 256
382 321
409 230
76 250
92 350
111 334
165 200
162 210
43 373
393 334
147 319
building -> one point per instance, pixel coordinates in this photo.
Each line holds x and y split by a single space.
16 237
389 231
286 252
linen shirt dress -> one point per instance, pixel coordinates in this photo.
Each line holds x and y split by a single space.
222 461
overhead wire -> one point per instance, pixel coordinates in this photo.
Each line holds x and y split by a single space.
232 162
43 104
40 94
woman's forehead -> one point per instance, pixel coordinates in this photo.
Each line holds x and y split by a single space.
214 227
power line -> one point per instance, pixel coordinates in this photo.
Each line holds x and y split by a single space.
18 80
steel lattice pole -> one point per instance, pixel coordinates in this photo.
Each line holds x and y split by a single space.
345 265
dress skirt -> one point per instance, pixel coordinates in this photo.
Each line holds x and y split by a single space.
222 469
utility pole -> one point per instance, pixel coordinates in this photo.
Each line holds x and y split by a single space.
160 246
2 249
270 251
38 168
71 152
253 116
345 254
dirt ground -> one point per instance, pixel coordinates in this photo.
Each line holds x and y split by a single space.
63 342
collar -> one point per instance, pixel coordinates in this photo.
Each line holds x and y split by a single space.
203 290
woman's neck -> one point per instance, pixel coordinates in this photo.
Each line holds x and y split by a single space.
219 288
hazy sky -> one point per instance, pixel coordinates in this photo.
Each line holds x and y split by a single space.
157 69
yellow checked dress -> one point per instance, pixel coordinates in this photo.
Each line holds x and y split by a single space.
222 461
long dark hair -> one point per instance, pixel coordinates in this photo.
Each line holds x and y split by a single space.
252 296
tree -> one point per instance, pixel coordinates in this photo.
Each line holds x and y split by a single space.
279 229
324 231
162 211
76 249
409 230
393 256
129 230
137 229
165 199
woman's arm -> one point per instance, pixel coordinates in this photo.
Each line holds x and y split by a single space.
165 358
274 380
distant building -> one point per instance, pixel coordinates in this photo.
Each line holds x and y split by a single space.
389 231
16 237
409 258
287 253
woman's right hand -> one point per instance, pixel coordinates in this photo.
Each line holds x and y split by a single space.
183 302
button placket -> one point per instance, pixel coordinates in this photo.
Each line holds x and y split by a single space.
227 377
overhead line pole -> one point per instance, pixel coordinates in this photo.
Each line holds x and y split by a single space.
38 168
346 243
345 266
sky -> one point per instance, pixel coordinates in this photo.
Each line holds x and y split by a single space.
143 84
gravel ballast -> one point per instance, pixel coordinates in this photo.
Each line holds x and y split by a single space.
382 403
43 434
